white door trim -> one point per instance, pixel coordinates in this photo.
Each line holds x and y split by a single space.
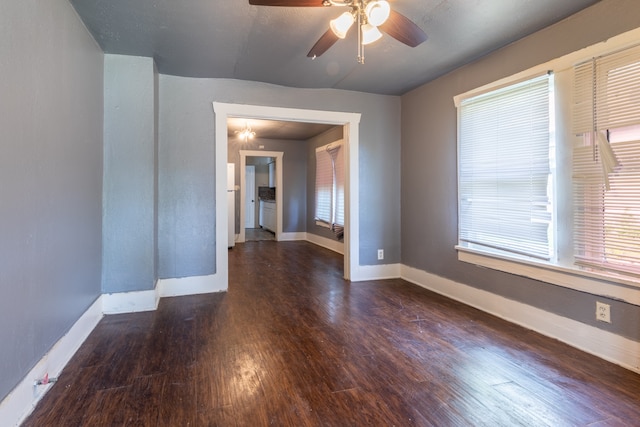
351 123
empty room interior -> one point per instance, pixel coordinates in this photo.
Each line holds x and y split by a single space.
307 212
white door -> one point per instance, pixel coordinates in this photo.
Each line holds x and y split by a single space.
231 204
250 197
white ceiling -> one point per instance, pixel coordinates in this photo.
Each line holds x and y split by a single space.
232 39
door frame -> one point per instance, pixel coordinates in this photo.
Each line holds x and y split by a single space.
247 213
279 185
350 121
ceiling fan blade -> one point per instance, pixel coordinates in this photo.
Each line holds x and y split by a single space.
403 29
323 44
287 3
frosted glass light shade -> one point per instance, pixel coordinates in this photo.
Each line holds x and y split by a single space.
377 12
341 24
370 34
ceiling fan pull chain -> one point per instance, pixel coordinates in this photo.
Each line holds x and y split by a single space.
360 44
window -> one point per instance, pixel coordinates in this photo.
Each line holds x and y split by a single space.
607 163
330 186
504 170
555 195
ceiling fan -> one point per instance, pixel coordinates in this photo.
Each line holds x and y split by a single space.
371 17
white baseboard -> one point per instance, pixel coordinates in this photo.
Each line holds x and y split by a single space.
605 345
292 236
375 272
21 401
333 245
192 285
361 272
130 302
15 408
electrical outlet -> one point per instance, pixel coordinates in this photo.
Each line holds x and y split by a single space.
380 253
603 312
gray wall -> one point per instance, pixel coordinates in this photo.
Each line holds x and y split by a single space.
156 157
50 179
429 198
294 174
187 165
327 137
130 174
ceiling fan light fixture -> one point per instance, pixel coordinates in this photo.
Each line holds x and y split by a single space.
341 24
370 34
377 12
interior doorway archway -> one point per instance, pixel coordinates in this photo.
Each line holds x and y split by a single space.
278 155
350 121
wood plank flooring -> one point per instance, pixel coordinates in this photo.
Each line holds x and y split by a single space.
255 234
292 344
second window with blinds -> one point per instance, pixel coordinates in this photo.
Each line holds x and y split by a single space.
329 187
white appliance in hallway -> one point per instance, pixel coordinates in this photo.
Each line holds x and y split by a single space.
231 203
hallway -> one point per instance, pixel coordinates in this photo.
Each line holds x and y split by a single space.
258 234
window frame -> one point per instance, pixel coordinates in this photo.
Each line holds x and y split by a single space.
560 271
337 186
491 112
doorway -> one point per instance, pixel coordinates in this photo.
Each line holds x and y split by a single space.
259 199
276 157
350 121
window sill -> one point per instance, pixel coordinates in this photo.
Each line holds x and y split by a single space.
596 284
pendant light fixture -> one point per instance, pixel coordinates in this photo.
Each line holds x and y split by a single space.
246 133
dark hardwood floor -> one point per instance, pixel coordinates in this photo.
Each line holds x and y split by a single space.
292 344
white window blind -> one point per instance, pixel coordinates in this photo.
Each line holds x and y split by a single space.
504 169
606 163
324 186
330 185
338 162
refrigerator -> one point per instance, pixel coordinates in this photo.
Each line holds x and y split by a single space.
231 204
